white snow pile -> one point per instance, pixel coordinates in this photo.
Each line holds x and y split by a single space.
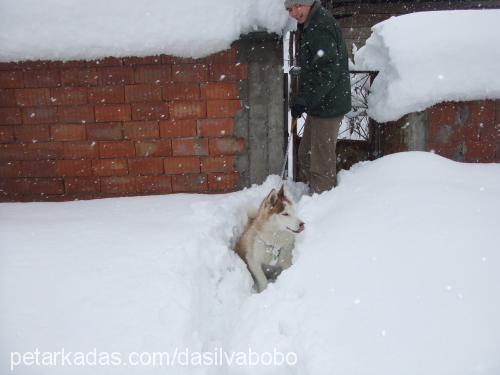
396 273
76 29
431 57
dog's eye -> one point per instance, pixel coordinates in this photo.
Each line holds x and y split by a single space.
285 214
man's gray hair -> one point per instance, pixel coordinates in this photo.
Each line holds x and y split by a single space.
289 3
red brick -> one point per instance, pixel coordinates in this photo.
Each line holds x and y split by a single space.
68 95
42 78
8 98
77 113
79 77
153 148
10 152
32 133
46 186
112 112
181 91
141 130
19 187
110 167
219 90
225 57
223 108
74 167
32 97
154 184
66 64
481 118
158 74
10 116
142 93
32 168
182 165
189 147
189 183
106 95
78 185
44 151
7 134
105 62
11 79
228 72
9 66
106 131
226 146
116 150
31 151
27 187
221 164
215 127
10 169
443 113
116 75
65 132
39 115
148 60
175 60
145 167
118 185
188 109
81 150
34 64
190 73
150 111
480 151
223 182
177 128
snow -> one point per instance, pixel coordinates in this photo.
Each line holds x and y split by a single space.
91 29
396 273
430 57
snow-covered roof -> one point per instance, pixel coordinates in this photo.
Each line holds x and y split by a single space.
430 57
88 29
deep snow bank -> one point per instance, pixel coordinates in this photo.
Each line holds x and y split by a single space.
396 273
75 29
430 57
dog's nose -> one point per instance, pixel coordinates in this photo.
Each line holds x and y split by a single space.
301 226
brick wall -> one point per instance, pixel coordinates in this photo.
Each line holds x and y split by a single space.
117 127
465 131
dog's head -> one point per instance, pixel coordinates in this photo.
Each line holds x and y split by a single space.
280 212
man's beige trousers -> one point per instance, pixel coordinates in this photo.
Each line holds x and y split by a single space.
317 158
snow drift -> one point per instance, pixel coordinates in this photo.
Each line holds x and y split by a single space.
430 57
396 273
74 29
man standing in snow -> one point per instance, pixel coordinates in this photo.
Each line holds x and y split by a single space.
324 91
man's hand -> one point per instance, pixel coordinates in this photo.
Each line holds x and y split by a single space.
298 110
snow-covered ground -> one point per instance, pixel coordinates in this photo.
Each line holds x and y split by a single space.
75 29
396 273
430 57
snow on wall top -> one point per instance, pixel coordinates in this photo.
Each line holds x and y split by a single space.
89 29
430 57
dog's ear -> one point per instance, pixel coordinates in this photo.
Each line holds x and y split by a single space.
272 198
281 192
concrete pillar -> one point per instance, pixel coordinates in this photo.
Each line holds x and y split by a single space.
261 122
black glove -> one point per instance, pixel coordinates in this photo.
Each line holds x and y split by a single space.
298 110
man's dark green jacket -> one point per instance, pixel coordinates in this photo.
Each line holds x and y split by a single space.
324 84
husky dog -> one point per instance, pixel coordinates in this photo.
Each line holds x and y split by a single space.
267 241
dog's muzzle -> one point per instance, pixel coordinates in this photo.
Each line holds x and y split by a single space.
300 229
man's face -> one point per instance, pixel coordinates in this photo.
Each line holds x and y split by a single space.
299 12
